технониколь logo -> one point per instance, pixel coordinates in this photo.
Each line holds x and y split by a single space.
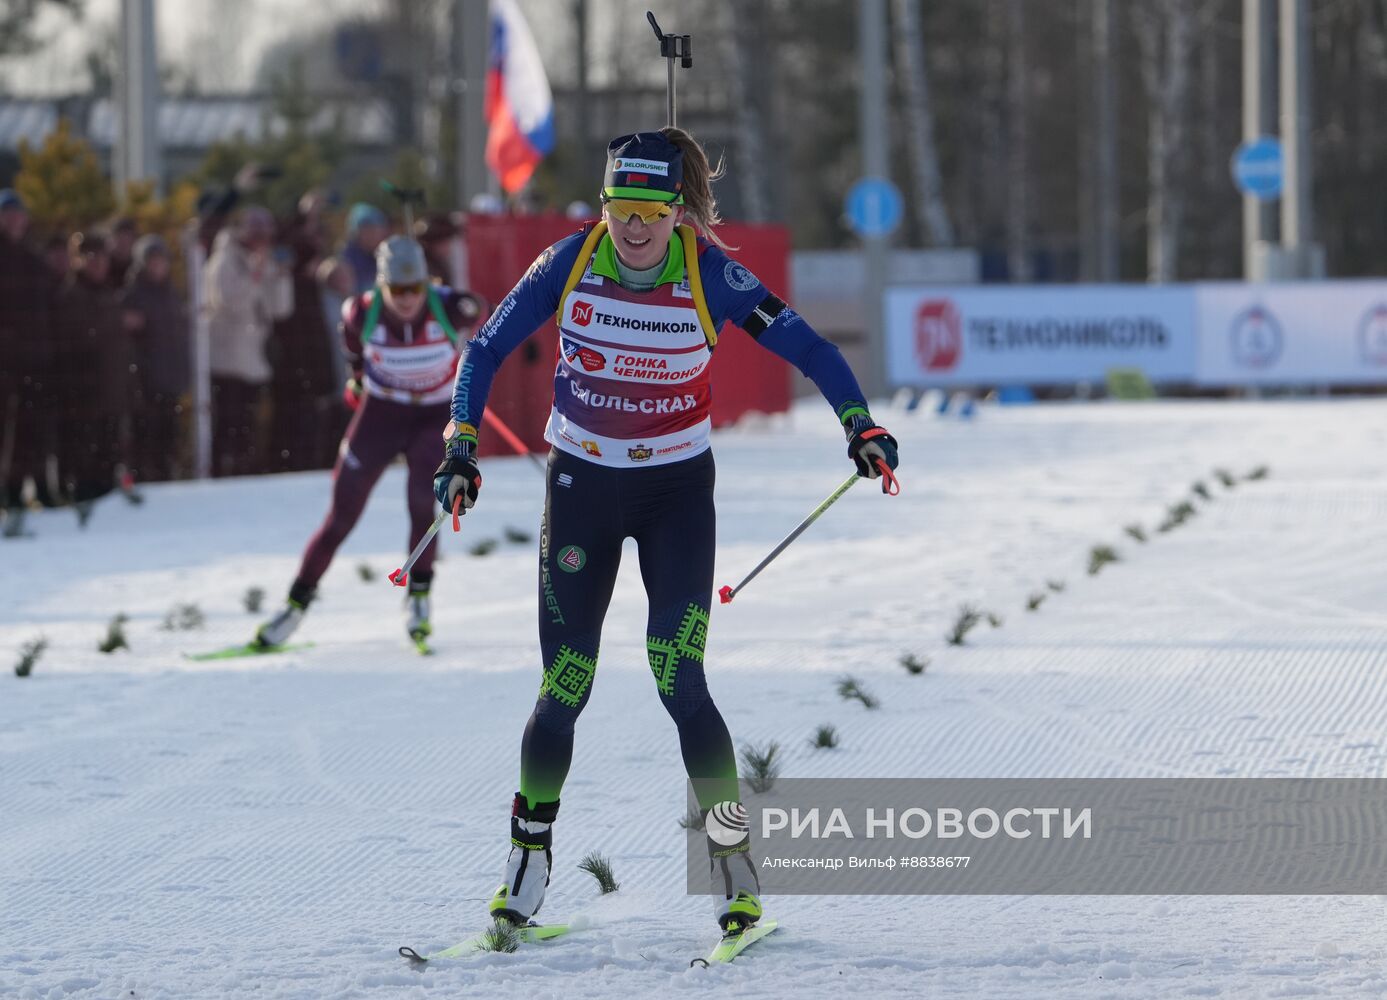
938 335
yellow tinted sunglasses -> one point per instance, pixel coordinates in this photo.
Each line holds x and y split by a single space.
623 209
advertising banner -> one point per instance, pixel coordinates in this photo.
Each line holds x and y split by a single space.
1323 332
1037 336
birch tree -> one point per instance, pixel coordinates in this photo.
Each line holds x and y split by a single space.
1105 192
747 39
931 211
1018 139
1165 35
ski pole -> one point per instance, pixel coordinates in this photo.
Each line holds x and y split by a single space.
401 576
727 593
511 438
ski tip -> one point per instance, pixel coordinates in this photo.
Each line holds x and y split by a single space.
247 650
725 594
412 955
734 942
399 578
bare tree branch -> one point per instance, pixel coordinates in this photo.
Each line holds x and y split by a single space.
17 19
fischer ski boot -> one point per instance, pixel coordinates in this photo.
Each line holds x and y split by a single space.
734 886
531 857
277 630
417 623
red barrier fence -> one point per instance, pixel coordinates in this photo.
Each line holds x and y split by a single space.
745 377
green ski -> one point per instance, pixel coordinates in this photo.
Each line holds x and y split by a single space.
529 934
249 649
736 941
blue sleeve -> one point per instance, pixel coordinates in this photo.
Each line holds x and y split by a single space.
529 305
735 294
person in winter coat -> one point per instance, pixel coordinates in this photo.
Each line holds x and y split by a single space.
157 320
248 288
436 234
95 367
27 434
121 243
308 412
366 227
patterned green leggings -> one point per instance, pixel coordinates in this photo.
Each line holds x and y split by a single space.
589 510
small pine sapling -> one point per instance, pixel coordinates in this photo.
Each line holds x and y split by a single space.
1099 556
183 618
850 689
967 620
760 766
502 936
600 868
29 654
1176 515
913 664
115 635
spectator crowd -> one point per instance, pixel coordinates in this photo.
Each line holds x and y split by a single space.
96 376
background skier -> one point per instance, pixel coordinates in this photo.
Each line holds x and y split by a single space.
401 339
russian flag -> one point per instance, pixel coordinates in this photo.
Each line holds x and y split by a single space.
519 104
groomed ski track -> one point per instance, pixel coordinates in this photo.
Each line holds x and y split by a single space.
277 827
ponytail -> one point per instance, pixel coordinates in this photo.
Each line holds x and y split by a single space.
699 204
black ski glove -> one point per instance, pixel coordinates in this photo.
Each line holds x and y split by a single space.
869 446
458 476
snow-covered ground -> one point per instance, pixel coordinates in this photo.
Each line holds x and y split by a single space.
277 827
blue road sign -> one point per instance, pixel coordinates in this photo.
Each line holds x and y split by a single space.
1258 168
873 206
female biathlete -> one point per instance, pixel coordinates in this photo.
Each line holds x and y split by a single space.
638 299
401 339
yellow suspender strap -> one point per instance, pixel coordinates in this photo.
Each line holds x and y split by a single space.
580 265
710 332
686 237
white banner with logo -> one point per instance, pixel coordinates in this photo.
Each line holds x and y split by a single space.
1331 332
1038 335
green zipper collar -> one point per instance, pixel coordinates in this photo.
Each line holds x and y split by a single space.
604 261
